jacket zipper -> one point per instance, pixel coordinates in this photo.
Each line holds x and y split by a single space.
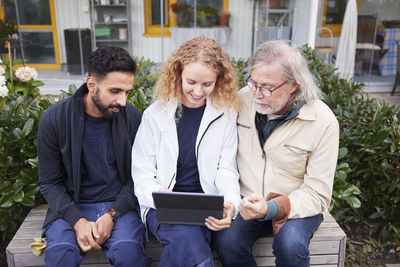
171 180
265 166
198 145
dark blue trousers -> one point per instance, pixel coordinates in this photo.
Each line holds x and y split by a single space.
125 247
290 245
184 245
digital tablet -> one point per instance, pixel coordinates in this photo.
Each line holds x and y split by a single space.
187 208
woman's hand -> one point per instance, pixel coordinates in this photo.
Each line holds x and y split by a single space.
215 224
163 189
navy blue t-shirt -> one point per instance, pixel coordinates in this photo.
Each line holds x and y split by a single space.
187 177
99 171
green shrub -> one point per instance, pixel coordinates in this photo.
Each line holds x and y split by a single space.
369 175
240 67
20 111
144 85
18 160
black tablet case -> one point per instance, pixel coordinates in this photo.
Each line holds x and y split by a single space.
187 208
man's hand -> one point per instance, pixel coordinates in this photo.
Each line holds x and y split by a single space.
105 225
215 224
85 233
253 207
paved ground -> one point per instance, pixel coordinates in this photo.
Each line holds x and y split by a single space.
392 99
56 80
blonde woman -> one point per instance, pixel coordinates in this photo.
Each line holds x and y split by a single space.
187 142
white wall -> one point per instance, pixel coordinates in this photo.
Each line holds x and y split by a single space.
390 9
239 45
67 16
305 22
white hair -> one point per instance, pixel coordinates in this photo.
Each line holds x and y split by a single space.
293 67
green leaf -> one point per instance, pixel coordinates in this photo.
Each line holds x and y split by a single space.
7 204
375 215
28 127
354 202
36 83
17 133
19 196
341 175
342 152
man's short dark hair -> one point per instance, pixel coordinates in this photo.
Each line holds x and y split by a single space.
104 60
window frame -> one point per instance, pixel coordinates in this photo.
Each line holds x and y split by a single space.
155 30
335 28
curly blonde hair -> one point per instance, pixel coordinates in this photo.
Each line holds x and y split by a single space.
207 51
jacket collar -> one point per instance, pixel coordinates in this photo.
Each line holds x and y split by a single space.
167 114
307 113
79 105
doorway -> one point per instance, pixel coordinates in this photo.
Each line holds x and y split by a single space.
38 45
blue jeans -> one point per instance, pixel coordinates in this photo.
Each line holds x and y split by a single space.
290 244
125 247
184 245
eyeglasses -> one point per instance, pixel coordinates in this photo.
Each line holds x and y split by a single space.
263 89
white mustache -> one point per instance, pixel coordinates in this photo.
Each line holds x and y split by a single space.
263 102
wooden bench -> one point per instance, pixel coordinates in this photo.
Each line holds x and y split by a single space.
327 247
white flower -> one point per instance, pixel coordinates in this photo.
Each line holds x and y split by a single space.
3 91
1 61
2 70
3 80
26 73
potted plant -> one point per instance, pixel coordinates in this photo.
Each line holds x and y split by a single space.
223 18
206 15
184 12
8 32
274 3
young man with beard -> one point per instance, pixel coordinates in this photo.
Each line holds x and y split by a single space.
84 149
287 153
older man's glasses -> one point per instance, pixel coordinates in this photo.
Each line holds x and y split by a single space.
263 89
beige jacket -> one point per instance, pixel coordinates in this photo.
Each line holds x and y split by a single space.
298 159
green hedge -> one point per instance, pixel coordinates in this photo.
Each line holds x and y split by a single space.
370 130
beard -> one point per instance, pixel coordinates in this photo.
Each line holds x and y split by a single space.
105 110
268 109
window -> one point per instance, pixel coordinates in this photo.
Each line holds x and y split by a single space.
152 16
333 15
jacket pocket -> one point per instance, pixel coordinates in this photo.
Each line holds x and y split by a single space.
244 137
293 159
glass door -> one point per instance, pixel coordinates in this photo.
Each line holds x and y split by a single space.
39 43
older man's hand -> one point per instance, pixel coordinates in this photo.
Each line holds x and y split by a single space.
253 207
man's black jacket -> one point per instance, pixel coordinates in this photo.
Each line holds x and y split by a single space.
59 146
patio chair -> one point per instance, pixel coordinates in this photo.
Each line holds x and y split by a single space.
397 78
327 50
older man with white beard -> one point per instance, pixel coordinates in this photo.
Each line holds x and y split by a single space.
287 153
